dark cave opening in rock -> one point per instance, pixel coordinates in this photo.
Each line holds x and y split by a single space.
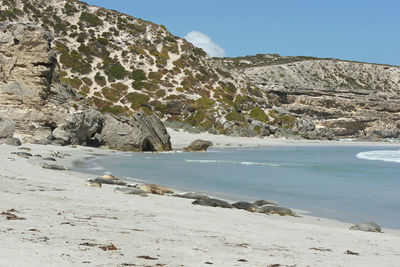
147 145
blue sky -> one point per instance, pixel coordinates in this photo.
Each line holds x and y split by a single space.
362 30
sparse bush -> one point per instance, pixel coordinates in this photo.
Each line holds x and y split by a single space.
258 114
100 80
90 20
116 71
137 100
82 37
70 9
87 81
111 94
120 87
204 103
199 52
75 62
138 75
235 117
160 93
155 75
286 121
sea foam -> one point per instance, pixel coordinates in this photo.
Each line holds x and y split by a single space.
382 155
235 162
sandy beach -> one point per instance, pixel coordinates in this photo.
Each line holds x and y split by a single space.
50 218
181 139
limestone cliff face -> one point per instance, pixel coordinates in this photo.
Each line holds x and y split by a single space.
124 64
45 111
329 98
27 63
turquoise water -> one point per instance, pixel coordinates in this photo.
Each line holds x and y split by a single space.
343 183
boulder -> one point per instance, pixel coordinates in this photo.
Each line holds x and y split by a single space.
304 125
199 145
7 128
174 107
138 133
212 202
192 195
267 130
41 135
242 132
367 226
11 141
79 128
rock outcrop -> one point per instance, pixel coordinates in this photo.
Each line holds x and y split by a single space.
326 98
198 146
45 111
139 132
7 128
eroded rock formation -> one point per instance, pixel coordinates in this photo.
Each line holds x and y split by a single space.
45 111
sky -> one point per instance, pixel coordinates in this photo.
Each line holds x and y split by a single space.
361 30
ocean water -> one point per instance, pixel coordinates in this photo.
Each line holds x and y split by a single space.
350 184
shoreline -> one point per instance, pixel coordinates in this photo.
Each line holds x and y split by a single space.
181 139
65 217
232 198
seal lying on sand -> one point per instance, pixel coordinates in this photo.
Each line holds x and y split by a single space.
130 191
261 203
367 226
192 195
155 189
242 205
212 202
107 179
274 210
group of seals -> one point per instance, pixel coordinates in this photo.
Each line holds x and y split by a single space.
260 206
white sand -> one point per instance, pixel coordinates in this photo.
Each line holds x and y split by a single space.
66 222
181 139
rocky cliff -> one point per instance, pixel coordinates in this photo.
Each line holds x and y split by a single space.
46 111
123 64
328 98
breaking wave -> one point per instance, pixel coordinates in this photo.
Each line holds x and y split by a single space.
236 162
382 155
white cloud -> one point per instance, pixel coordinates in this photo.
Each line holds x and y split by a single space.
201 40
